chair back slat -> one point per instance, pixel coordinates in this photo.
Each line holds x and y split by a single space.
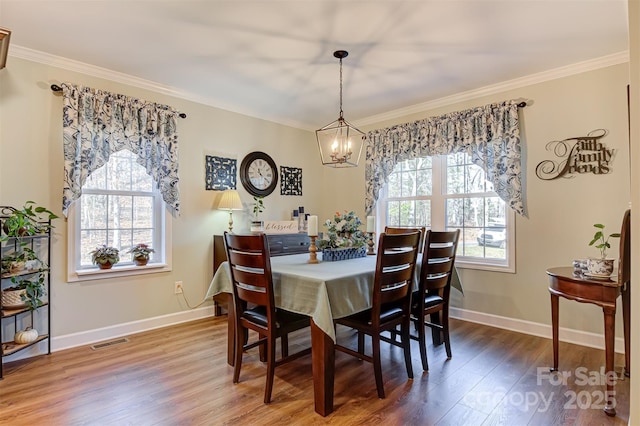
441 267
395 267
404 229
438 259
248 259
250 268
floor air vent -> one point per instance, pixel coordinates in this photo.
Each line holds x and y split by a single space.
109 344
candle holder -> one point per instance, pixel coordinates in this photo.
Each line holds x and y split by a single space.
313 257
370 243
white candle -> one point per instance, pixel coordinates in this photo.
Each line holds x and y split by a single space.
312 226
371 224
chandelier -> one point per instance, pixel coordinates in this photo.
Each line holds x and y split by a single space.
340 142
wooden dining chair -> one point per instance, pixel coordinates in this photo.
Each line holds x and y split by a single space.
391 304
432 297
250 267
404 230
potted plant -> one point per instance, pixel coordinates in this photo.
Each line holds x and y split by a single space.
601 267
105 257
140 253
258 207
24 259
29 220
25 292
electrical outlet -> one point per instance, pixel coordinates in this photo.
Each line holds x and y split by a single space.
177 288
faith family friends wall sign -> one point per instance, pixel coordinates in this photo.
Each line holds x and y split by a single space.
584 154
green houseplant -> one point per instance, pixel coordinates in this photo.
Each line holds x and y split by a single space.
140 253
27 221
105 257
601 267
19 261
30 291
600 241
258 207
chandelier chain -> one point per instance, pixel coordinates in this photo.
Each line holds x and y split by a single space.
341 88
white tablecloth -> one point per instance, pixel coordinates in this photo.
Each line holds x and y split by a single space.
325 291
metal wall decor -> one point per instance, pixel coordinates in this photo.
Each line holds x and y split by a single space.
583 154
291 181
220 173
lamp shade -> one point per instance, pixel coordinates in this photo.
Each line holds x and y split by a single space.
230 200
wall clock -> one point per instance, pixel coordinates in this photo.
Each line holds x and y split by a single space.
258 174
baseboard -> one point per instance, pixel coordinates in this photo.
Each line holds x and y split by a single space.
72 340
568 335
577 337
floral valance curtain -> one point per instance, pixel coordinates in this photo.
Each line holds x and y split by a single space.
98 123
489 134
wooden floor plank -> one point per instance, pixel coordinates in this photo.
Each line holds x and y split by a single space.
178 375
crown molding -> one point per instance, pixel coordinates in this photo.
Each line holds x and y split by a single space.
118 77
541 77
92 70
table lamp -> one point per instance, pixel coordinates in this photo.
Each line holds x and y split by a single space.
230 201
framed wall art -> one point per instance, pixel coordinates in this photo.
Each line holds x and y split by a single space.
220 173
291 180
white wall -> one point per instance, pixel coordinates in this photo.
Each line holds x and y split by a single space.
560 213
31 168
556 230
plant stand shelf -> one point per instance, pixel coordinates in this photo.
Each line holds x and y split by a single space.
25 258
10 348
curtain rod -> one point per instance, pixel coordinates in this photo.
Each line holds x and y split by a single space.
57 88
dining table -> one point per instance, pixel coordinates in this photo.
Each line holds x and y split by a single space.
324 291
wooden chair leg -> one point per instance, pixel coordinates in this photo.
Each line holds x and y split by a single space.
406 345
377 365
284 345
263 355
445 331
422 342
238 353
271 366
436 335
360 343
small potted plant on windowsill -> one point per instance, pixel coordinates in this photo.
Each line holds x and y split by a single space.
105 257
602 266
258 207
140 253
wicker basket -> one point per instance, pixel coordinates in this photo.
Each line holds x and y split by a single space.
13 299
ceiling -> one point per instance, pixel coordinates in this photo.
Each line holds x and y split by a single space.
273 59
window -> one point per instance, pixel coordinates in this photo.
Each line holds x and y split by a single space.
450 192
120 206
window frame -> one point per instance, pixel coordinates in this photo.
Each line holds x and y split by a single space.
438 200
162 232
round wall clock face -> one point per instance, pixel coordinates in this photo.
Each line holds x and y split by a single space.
258 174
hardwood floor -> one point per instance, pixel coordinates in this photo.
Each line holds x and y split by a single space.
179 376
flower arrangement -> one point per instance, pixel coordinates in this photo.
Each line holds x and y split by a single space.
343 232
141 251
105 256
